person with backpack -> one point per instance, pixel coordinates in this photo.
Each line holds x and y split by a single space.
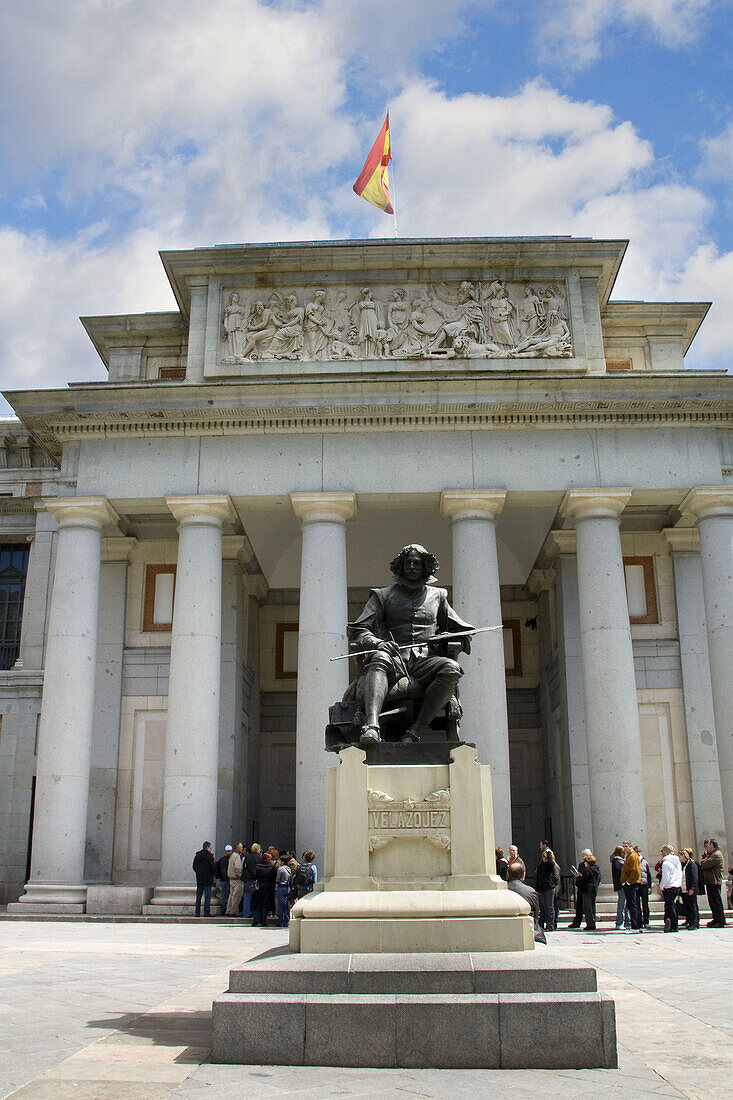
306 874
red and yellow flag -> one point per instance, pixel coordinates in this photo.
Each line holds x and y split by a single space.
373 181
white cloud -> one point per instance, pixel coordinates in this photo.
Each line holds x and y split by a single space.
717 155
575 30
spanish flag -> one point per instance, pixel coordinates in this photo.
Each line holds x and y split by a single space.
373 181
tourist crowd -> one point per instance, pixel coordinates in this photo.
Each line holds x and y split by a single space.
681 879
253 883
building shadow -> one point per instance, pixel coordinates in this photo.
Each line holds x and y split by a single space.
191 1030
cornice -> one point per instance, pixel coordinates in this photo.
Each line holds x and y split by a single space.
426 404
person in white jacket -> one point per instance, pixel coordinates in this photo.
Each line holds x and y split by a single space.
670 886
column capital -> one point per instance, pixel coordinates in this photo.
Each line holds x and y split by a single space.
457 504
683 540
541 580
118 549
254 584
561 542
94 512
324 507
709 500
211 510
594 503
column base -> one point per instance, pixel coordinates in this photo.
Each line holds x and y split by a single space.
50 898
176 901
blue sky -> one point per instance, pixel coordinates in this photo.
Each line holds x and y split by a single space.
132 125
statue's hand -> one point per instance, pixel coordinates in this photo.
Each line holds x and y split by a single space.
389 647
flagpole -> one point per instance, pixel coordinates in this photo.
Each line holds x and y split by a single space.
393 189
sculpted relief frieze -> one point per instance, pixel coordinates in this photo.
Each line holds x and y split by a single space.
491 320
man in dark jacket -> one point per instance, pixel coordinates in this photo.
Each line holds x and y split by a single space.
265 894
690 884
712 867
204 867
516 883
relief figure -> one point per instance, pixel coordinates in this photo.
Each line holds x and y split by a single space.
469 322
366 309
531 314
501 322
234 325
260 330
287 343
318 327
554 341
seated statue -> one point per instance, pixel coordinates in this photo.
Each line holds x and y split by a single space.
401 663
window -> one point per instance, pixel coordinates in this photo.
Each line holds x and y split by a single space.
641 590
512 647
286 651
13 569
160 587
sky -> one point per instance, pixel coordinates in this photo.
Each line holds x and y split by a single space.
129 126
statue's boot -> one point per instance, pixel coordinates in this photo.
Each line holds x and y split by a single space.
376 686
436 699
370 735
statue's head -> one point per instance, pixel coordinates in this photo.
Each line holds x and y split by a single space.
415 564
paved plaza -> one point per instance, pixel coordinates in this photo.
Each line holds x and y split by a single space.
98 1009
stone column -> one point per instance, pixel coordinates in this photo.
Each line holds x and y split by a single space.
65 732
713 506
191 766
611 710
707 803
477 598
570 658
197 330
321 634
36 590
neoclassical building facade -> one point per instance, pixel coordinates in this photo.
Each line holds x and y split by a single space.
183 545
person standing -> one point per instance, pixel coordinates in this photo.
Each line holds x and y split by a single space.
690 882
712 866
234 871
305 875
622 912
264 898
588 879
670 886
630 879
516 883
545 886
579 887
249 877
204 867
501 863
644 886
282 890
222 871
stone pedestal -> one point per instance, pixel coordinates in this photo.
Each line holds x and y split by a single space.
409 863
511 1010
411 952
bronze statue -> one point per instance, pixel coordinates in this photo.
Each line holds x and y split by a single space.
401 662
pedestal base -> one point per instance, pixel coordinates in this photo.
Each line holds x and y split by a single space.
411 921
50 898
460 1010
